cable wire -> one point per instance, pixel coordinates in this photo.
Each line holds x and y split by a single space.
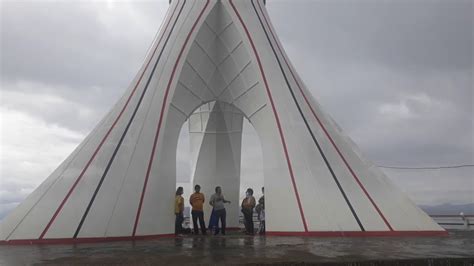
427 167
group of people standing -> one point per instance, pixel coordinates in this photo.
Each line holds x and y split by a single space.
217 201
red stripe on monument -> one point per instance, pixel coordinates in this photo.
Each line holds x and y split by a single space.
163 106
62 241
290 168
324 128
104 138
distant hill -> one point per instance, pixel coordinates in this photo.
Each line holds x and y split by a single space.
449 209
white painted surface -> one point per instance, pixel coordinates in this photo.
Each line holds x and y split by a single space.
217 63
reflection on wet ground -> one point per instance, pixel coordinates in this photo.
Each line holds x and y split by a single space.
458 248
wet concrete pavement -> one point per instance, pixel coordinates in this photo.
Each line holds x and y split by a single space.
457 249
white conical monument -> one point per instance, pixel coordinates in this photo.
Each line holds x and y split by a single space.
119 183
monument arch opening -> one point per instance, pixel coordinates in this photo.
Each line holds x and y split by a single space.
223 150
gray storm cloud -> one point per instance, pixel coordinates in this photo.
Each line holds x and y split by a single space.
397 76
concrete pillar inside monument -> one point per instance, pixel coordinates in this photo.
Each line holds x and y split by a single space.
215 131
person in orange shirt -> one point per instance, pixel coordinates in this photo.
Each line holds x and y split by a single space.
178 211
197 201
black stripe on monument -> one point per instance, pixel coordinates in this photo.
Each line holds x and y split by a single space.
306 122
128 126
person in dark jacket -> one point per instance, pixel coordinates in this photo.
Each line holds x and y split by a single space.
248 203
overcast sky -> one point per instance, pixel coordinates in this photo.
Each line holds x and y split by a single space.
396 75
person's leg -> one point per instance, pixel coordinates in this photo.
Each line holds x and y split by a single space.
251 229
215 222
195 216
245 221
177 223
201 222
218 217
223 220
211 221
